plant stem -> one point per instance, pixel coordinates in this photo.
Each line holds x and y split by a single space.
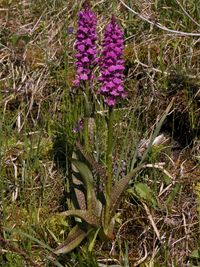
109 149
86 134
86 118
109 166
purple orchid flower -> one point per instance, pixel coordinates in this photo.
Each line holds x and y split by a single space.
112 64
86 56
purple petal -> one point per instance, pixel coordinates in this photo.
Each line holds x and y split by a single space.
76 82
81 48
110 84
112 68
80 36
119 67
85 60
79 70
84 77
78 55
111 54
114 93
104 89
91 51
83 29
120 88
117 80
110 101
105 72
88 41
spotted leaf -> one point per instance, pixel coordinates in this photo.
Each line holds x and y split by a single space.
74 238
86 215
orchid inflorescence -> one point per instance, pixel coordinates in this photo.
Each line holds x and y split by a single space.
112 64
85 45
111 60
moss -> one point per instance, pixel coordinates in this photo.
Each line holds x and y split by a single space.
145 53
35 56
58 225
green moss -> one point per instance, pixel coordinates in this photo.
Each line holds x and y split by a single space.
142 52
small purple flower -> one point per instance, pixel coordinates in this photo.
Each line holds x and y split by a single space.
70 30
79 126
112 64
85 45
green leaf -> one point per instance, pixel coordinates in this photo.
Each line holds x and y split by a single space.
78 187
119 189
96 205
74 238
195 254
157 130
14 39
86 174
79 197
145 192
173 194
86 215
84 171
87 105
92 241
95 165
87 177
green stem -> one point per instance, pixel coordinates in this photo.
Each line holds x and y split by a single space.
109 166
109 150
86 118
86 134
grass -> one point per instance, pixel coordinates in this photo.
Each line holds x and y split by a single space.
158 222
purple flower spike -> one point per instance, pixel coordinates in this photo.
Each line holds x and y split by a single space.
112 64
86 55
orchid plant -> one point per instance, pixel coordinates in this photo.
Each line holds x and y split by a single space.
94 211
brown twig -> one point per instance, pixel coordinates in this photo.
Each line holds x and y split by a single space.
158 25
